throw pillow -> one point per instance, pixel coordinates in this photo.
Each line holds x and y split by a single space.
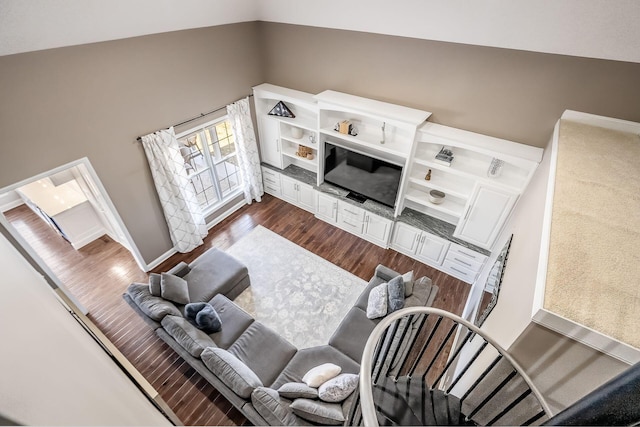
208 320
377 303
316 376
274 410
174 288
395 294
338 388
296 390
407 278
231 371
318 412
154 284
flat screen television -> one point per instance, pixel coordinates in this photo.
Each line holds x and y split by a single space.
364 176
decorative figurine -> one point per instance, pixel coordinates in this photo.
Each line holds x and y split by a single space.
428 176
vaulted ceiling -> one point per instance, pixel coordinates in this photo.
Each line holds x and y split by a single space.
606 29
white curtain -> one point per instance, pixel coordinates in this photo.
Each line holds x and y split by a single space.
248 159
177 196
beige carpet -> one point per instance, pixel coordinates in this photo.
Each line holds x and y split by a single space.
594 261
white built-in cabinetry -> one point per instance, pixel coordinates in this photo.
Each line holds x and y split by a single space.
477 203
281 137
298 193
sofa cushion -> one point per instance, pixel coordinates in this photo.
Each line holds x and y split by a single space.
234 321
318 412
308 358
363 299
395 294
321 373
423 293
377 304
188 336
264 351
154 307
295 390
230 370
203 316
154 284
352 333
174 288
213 272
272 408
339 388
407 278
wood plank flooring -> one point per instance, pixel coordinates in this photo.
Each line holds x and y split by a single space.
100 272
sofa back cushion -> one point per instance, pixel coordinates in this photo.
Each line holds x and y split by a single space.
264 351
275 410
188 336
154 307
234 321
231 371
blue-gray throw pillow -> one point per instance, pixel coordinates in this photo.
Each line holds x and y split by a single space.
203 316
174 288
395 294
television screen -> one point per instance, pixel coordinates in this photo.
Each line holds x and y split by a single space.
364 175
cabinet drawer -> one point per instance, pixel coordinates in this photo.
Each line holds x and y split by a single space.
457 270
270 178
464 261
274 191
468 253
350 217
350 212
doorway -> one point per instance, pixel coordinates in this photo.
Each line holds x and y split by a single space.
65 221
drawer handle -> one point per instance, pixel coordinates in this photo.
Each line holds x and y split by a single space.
469 255
351 212
269 180
463 262
348 223
458 271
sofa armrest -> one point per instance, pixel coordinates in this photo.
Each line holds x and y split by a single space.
180 270
385 273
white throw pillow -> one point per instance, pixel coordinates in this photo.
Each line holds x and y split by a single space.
339 388
321 374
377 303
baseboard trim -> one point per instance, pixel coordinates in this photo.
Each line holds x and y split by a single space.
162 258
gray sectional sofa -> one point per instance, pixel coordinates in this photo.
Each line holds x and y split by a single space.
246 361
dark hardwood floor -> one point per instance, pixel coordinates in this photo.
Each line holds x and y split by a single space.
100 272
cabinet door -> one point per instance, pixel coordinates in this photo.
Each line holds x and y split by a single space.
431 249
289 189
486 212
405 238
327 208
306 197
270 141
377 229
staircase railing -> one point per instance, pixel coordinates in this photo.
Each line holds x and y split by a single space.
411 374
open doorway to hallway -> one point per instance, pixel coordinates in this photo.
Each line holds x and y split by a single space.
65 220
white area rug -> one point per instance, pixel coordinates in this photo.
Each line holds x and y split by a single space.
298 294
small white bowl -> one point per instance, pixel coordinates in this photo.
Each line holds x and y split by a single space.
436 197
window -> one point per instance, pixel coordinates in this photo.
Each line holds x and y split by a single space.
209 153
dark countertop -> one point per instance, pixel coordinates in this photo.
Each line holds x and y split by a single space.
409 216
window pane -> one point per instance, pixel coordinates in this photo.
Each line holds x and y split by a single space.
191 150
228 174
205 191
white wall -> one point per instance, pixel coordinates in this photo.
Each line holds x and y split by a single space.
53 372
43 24
512 314
605 29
